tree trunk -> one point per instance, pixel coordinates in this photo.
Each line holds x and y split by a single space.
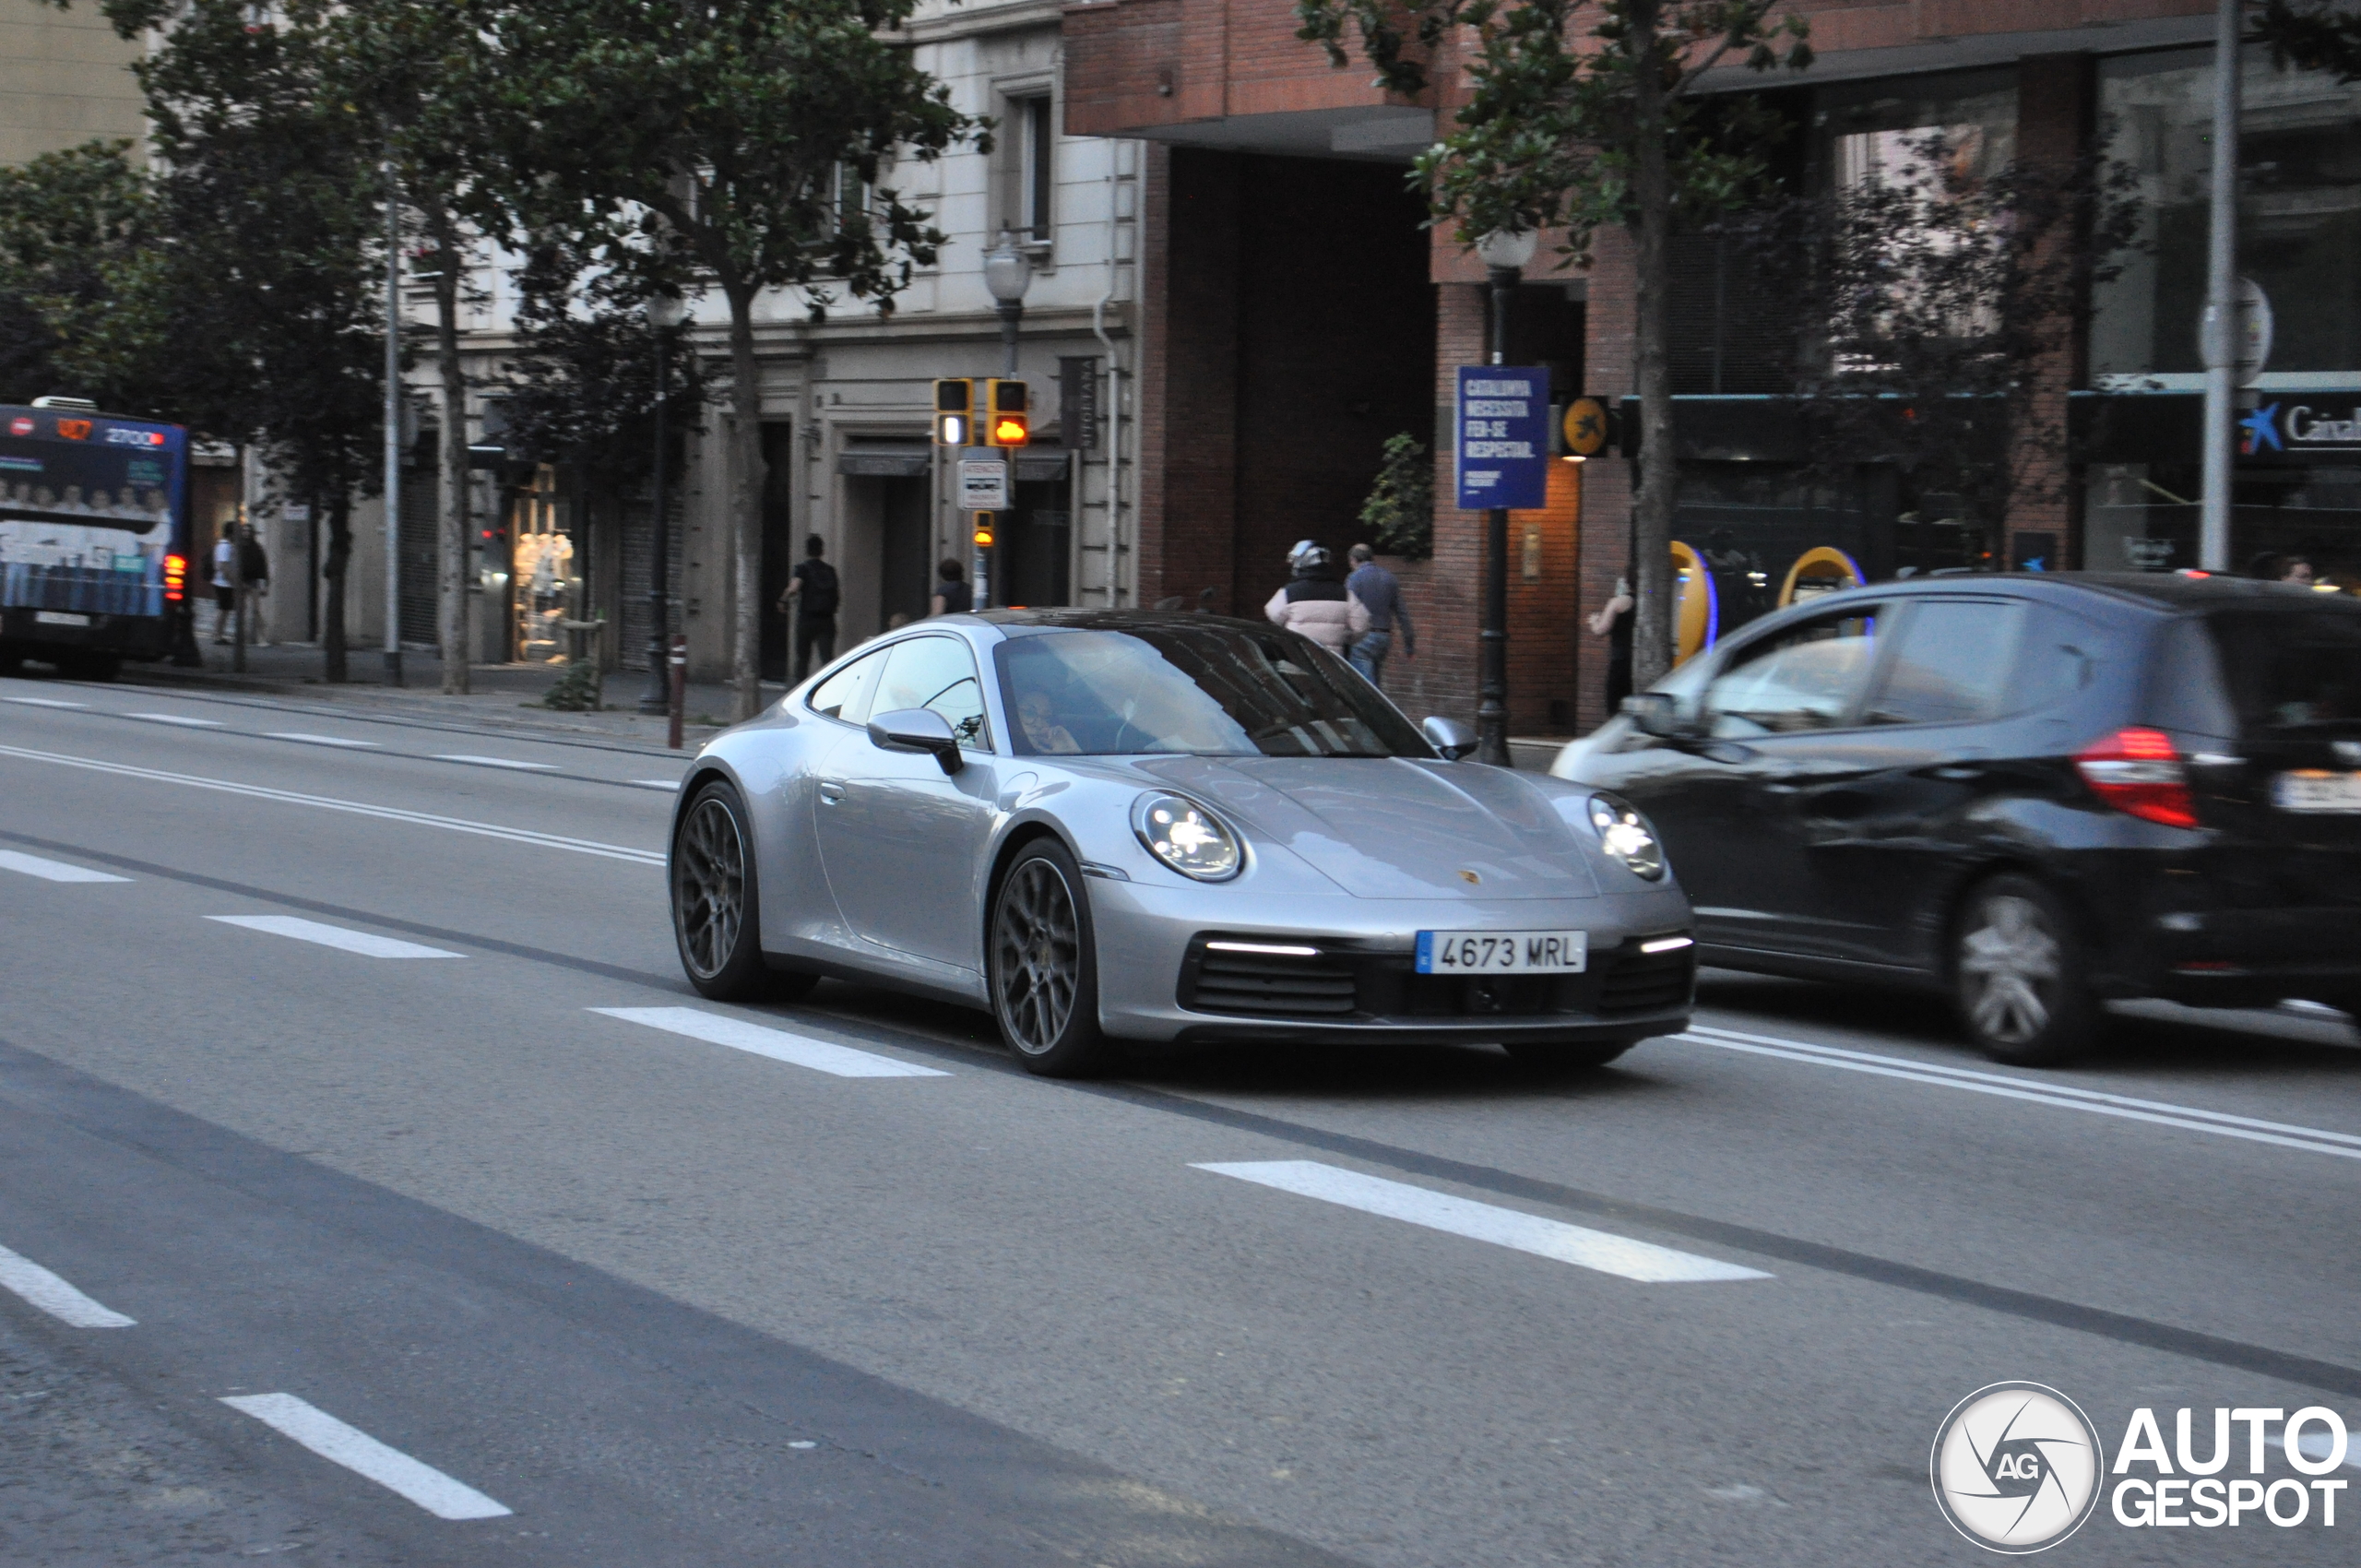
746 469
1652 509
451 553
334 571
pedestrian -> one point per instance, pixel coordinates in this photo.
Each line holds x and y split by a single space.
1381 595
1316 603
1613 622
225 581
254 569
952 594
811 593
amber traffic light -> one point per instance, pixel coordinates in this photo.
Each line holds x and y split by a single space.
954 412
984 530
1006 420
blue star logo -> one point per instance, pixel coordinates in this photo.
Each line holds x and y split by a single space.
2262 430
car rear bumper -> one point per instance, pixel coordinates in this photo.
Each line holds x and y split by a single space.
2250 957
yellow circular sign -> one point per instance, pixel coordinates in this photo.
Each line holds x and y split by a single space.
1586 427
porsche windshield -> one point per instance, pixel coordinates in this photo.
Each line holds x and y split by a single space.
1214 690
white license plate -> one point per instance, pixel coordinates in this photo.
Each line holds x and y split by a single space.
59 618
1504 952
2317 790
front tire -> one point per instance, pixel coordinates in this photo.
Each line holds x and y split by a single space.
715 910
1043 963
2018 974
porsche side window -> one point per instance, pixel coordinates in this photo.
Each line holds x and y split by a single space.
936 673
1808 679
845 695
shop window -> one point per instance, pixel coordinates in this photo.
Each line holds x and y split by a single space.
2299 218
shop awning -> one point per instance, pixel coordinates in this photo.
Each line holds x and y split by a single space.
885 459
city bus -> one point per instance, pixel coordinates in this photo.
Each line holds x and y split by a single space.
95 540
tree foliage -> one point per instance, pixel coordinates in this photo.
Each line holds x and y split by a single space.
2319 35
1400 511
75 228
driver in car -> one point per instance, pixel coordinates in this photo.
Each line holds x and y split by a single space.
1038 718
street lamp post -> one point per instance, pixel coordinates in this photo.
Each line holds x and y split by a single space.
1504 252
664 314
1008 272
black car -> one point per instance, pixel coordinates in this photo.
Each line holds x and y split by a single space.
2034 792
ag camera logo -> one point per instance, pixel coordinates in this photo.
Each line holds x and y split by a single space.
2016 1467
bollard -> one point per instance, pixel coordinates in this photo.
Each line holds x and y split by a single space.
680 662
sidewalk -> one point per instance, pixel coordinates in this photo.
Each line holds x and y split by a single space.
504 695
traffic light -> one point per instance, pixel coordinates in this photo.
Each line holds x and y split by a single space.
1007 423
954 412
984 529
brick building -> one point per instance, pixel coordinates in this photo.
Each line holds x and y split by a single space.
1294 314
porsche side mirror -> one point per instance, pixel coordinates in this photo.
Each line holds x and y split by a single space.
1449 736
917 730
1653 713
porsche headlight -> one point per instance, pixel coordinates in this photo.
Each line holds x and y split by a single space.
1624 833
1186 836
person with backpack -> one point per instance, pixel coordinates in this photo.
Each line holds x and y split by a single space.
811 593
1316 603
254 570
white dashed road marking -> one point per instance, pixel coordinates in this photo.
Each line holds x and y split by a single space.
315 740
495 762
54 1296
44 702
360 942
177 718
819 1055
1576 1244
355 1450
52 871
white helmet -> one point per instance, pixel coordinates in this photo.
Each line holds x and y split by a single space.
1303 547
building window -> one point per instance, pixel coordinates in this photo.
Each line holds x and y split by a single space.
1033 190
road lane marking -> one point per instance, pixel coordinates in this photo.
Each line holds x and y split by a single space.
177 718
358 808
495 762
361 941
44 702
313 740
355 1450
803 1051
1554 1239
2061 1097
52 871
54 1296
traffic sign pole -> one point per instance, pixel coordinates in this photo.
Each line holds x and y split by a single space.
1502 445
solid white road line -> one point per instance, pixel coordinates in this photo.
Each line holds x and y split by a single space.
1576 1244
52 871
44 702
819 1055
54 1296
326 802
2061 1097
364 1455
494 762
359 942
315 740
177 718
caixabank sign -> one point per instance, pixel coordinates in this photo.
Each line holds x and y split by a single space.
2294 425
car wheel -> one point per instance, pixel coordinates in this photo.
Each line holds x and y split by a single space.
1044 966
91 666
1561 1056
2018 970
715 910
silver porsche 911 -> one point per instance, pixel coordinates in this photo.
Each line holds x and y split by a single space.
1132 825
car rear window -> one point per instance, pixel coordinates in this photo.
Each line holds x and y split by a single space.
2295 669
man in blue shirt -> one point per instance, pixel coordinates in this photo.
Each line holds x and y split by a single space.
1381 597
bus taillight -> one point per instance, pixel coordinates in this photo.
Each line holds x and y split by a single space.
176 579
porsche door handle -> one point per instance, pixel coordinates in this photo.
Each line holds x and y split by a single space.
831 792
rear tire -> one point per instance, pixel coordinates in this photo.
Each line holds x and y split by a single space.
716 918
1565 1056
2019 975
1041 955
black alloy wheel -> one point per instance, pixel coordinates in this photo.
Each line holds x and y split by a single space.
714 914
2019 975
1044 966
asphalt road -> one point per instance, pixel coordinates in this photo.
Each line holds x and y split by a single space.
303 1073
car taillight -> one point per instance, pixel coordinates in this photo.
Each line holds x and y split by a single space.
2138 772
175 578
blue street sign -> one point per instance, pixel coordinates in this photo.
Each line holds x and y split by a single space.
1504 439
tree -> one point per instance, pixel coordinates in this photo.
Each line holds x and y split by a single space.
2319 35
73 227
707 144
1400 511
1930 294
1579 130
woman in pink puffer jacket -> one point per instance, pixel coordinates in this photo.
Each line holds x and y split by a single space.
1317 604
